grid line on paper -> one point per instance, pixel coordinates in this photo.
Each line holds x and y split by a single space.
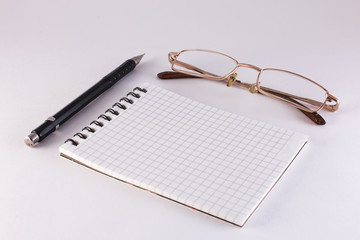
203 157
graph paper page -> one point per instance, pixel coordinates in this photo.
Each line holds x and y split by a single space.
217 162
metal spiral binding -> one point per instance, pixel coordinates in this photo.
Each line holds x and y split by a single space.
105 117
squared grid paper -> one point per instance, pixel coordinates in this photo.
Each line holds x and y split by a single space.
215 161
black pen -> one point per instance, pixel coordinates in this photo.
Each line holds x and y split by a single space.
52 123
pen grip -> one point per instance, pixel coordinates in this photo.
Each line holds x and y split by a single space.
120 71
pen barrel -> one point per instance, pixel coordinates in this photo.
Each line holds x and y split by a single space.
52 123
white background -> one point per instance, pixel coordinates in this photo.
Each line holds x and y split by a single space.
52 51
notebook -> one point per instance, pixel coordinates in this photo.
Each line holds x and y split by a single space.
214 161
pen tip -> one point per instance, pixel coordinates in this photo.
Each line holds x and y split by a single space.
137 59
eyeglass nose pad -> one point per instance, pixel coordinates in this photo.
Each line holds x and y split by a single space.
253 88
231 79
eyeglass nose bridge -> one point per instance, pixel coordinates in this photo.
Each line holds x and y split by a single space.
249 66
231 79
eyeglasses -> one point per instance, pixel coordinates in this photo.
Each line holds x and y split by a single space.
291 88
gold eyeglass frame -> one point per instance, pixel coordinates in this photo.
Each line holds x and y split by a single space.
256 87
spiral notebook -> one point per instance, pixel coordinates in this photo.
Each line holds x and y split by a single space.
214 161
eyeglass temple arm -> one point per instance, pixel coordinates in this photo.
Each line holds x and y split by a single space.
315 117
331 108
174 75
